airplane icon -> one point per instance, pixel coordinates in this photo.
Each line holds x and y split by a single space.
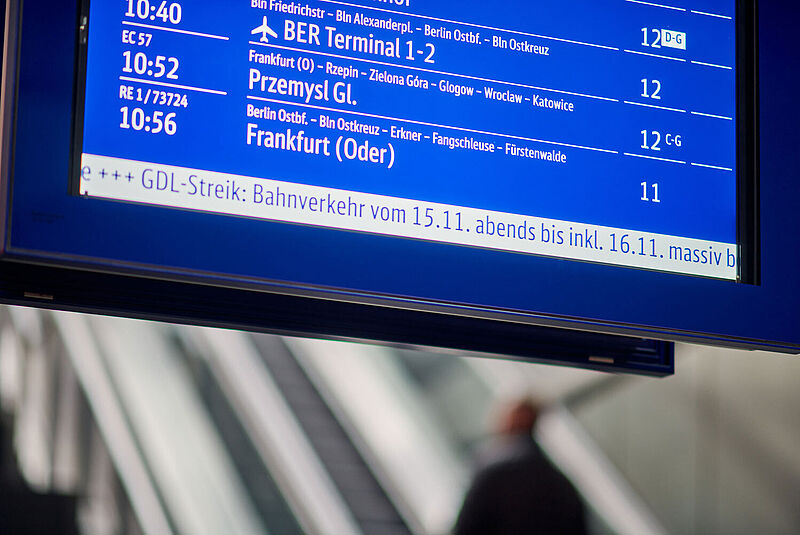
264 30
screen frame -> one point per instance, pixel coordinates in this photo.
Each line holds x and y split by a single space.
746 185
365 302
748 150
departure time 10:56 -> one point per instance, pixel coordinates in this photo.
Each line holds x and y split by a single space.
155 123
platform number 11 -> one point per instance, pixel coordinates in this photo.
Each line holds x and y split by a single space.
646 188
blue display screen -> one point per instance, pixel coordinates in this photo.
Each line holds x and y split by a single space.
594 131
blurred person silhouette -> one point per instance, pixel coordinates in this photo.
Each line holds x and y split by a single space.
516 488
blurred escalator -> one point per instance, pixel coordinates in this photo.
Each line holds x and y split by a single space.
137 427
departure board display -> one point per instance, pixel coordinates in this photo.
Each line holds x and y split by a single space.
591 130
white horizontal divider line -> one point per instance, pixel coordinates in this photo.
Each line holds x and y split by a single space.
712 65
653 4
712 116
175 30
695 62
654 106
711 166
432 125
653 55
711 15
473 25
174 86
431 71
654 158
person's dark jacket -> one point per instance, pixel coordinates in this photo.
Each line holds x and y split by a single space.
521 493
